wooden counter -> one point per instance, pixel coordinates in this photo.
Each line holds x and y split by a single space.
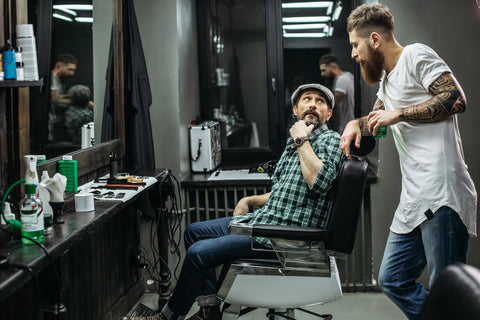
92 252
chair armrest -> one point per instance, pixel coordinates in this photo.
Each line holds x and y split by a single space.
281 232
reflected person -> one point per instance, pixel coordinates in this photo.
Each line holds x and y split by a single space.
64 68
419 99
300 196
343 88
79 112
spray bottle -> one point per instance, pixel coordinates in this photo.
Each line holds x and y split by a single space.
47 209
31 175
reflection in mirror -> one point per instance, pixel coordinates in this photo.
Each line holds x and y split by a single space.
310 31
239 63
62 113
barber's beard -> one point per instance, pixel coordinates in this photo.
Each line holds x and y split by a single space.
372 67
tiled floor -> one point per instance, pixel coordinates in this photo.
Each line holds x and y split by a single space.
353 306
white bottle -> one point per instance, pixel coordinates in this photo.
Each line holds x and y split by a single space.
47 209
31 169
8 213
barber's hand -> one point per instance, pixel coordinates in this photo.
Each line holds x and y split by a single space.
300 129
380 118
351 133
241 207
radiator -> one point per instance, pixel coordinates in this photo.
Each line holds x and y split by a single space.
217 202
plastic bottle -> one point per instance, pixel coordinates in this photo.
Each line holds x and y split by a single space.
31 169
19 63
8 213
381 132
9 65
47 209
68 168
31 216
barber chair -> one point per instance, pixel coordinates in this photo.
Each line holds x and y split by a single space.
305 272
455 294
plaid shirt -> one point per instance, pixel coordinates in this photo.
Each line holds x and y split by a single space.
292 201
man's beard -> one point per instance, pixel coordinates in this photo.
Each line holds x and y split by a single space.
372 67
317 122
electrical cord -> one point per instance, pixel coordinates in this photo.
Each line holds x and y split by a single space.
171 197
49 257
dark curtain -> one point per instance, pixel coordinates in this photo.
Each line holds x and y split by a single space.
138 97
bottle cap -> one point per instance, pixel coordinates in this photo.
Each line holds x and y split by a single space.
41 158
67 157
30 188
45 175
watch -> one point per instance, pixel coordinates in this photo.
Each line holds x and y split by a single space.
297 142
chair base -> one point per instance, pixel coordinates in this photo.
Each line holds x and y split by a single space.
231 312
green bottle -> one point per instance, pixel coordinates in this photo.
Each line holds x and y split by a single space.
381 132
31 215
68 168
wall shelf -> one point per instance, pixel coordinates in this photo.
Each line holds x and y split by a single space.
18 84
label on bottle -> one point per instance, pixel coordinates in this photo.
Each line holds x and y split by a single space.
32 219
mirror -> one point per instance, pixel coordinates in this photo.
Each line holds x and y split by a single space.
239 63
70 103
253 54
310 31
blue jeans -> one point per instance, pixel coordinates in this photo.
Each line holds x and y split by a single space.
438 242
209 244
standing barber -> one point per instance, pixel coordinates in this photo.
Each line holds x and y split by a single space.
418 98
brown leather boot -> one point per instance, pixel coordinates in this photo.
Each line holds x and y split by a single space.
207 313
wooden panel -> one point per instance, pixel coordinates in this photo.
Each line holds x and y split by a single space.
96 274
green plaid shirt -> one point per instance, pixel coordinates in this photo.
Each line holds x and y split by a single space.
292 201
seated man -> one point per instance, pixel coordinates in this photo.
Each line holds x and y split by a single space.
300 196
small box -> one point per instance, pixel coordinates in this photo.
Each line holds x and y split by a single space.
205 146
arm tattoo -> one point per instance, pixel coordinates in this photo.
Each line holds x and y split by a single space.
447 100
363 120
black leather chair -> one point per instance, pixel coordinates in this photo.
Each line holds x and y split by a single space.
455 294
305 272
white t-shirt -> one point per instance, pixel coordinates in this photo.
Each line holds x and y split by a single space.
344 111
434 173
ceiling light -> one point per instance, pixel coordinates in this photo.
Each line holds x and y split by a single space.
304 26
315 4
68 11
330 31
84 19
61 17
306 19
304 35
73 6
338 10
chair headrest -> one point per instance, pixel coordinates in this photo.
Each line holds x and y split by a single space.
367 144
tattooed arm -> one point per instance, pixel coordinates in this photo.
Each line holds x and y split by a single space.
448 99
